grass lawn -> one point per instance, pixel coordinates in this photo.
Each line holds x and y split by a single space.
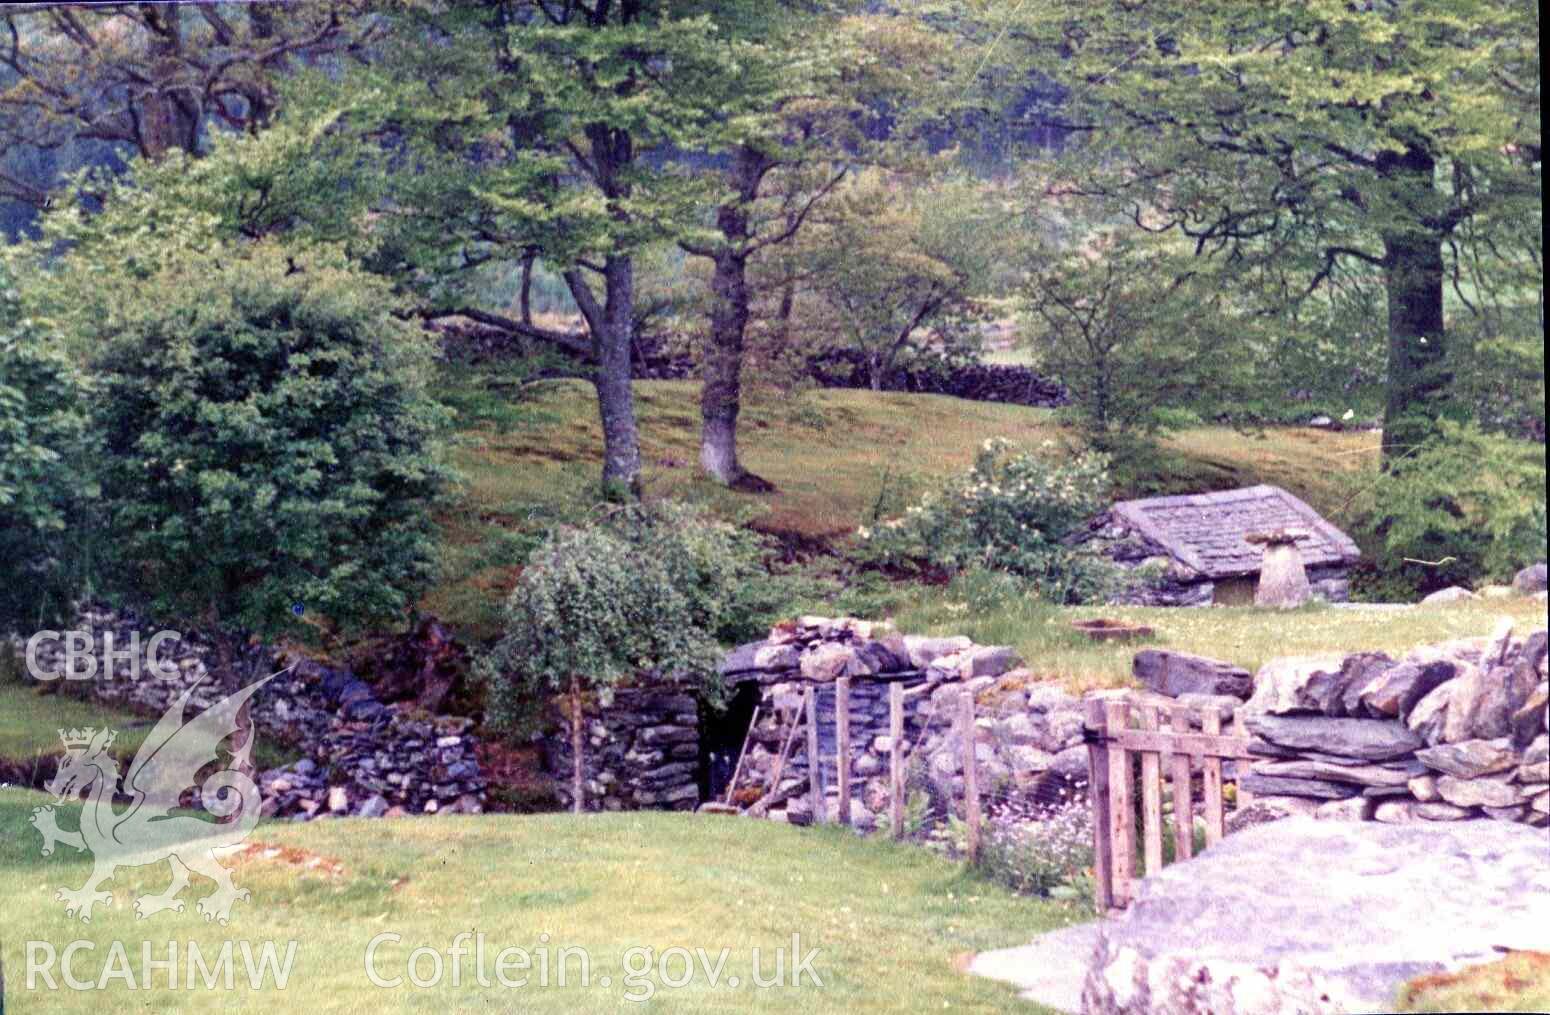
890 922
30 725
530 457
1520 982
1245 636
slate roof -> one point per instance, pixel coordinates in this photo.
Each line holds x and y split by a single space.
1206 530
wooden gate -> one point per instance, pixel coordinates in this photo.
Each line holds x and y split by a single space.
1165 738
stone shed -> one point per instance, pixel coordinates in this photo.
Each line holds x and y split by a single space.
1197 547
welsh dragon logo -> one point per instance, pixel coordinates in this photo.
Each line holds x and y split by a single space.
146 831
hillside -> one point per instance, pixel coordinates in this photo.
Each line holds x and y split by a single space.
529 454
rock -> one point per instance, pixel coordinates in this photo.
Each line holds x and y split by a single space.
776 657
1533 718
1280 786
1484 701
338 800
1351 809
1530 580
1293 684
1394 691
1430 716
1369 739
1470 758
989 661
1361 775
1483 792
374 807
1252 926
924 651
1424 788
1360 670
1070 763
1027 760
1439 811
1451 594
1395 812
1179 673
1283 581
1514 813
828 661
1018 728
1267 809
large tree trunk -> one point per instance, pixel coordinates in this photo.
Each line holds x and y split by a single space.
611 325
1418 375
721 391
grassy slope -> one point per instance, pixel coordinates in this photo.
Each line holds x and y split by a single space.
30 725
889 920
833 455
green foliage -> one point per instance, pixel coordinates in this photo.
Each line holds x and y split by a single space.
1470 503
1306 146
269 442
1011 513
895 267
45 487
649 588
1136 332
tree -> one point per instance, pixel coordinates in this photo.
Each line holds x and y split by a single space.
894 259
1329 136
1132 328
647 590
541 127
270 448
46 490
787 137
154 77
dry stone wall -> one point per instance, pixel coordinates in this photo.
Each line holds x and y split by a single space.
1449 732
641 747
362 757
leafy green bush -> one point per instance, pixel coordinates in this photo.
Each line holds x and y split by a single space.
270 447
649 588
1012 513
45 488
1468 505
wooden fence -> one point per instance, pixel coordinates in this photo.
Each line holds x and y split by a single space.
1164 738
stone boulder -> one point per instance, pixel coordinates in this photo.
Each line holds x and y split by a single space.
1258 923
1368 739
1293 684
1451 594
1178 673
1530 580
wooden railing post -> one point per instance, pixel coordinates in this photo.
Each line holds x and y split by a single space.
1211 780
1244 797
1122 814
971 789
1151 795
842 745
896 759
1098 793
814 761
1183 804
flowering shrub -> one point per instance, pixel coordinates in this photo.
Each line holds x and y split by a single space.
1012 513
1051 855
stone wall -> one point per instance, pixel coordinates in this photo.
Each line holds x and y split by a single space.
361 757
642 750
642 747
1448 732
